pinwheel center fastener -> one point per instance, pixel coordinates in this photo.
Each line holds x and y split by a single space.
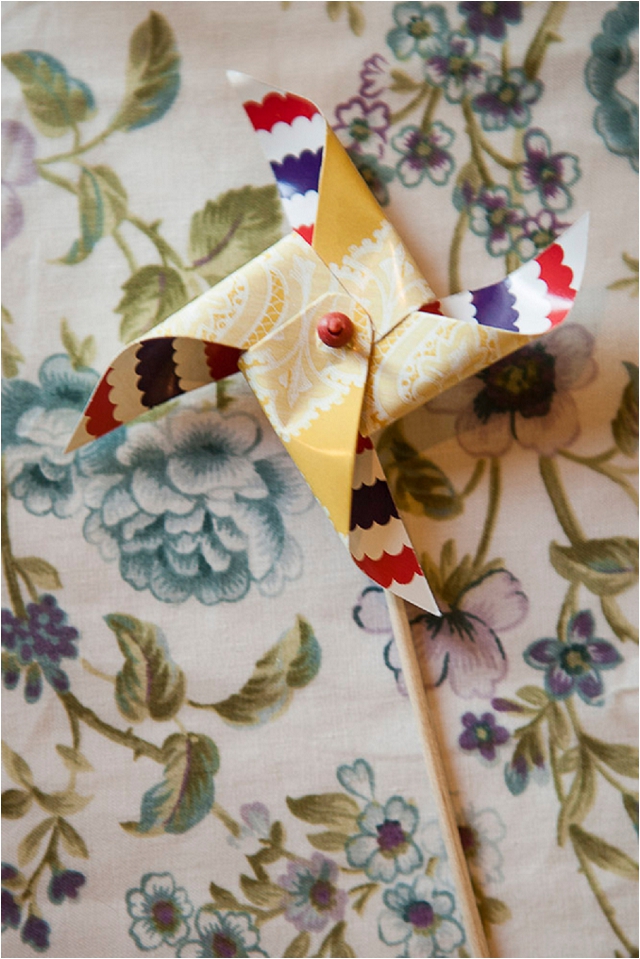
335 329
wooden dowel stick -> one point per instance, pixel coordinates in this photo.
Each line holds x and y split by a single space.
474 930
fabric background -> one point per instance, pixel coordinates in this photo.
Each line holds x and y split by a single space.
102 662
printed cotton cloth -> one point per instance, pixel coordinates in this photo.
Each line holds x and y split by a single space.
208 748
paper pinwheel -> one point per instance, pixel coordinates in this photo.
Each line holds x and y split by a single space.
337 333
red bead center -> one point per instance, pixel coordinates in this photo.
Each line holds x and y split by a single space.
335 329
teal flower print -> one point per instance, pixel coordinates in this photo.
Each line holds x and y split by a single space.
424 154
421 28
384 846
222 934
159 910
574 666
419 918
189 507
612 57
37 424
506 100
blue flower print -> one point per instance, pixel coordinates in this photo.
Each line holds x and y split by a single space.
548 173
159 910
574 666
384 846
222 934
419 917
38 422
424 154
37 644
421 28
190 508
506 100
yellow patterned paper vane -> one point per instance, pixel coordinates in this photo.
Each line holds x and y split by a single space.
337 333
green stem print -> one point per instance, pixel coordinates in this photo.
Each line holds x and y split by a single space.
225 234
149 685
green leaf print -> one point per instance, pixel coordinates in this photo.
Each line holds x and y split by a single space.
605 566
151 294
186 793
102 202
153 77
149 684
233 229
56 101
291 664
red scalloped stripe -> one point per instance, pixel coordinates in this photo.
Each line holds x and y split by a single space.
99 412
400 568
276 108
432 307
221 360
306 232
363 443
558 277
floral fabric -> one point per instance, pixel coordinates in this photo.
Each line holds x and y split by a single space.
208 748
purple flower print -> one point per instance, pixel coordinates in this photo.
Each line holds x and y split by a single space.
35 933
384 845
424 154
539 232
463 644
548 173
525 397
506 100
363 126
11 911
65 884
490 19
18 169
574 666
494 215
374 75
37 644
482 734
257 817
372 615
457 69
312 895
